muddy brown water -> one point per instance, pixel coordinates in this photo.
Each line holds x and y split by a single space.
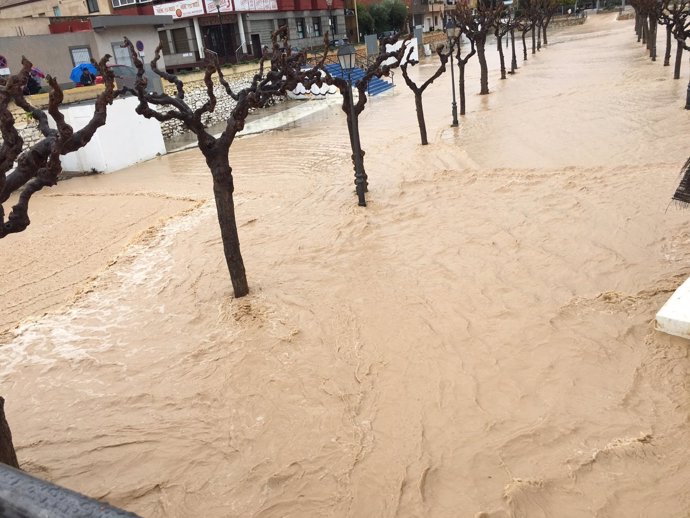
479 339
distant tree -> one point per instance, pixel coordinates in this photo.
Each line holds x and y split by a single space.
682 37
476 27
501 27
366 21
524 24
380 14
284 74
397 14
647 14
385 61
513 23
549 8
419 90
676 14
38 165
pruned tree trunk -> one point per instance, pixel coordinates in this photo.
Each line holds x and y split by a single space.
419 90
679 57
513 59
484 69
534 40
7 454
667 54
499 41
651 40
524 46
420 118
223 188
461 86
638 27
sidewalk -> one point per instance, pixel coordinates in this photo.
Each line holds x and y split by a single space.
278 116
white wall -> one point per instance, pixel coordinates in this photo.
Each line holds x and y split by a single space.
126 138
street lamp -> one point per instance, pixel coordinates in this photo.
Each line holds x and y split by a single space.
453 32
329 3
347 57
216 4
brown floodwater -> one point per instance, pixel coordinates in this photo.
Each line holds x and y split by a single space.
479 339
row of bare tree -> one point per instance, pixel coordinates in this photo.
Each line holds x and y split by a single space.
476 25
28 169
675 16
280 70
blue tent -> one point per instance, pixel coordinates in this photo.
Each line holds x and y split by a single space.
75 75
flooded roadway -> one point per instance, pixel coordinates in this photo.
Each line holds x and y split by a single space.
478 340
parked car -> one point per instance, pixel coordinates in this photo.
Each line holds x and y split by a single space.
339 43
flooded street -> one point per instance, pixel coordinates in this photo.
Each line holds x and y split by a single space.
479 339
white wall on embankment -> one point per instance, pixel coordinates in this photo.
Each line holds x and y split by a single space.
126 138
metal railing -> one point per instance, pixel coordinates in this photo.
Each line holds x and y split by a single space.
24 496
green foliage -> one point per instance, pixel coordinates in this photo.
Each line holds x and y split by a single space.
389 15
366 21
380 14
397 14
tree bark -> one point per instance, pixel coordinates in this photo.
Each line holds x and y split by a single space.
638 27
513 59
461 86
499 42
484 79
420 118
539 37
7 454
667 54
534 39
223 188
651 41
524 46
679 57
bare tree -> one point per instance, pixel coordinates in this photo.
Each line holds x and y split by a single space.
419 90
385 61
39 165
549 8
7 454
677 13
476 26
501 28
462 63
524 24
513 24
283 74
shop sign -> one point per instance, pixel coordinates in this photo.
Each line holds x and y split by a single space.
256 5
182 9
225 6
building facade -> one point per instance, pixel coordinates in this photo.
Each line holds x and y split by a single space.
238 30
53 8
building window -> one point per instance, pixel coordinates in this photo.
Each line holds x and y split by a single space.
300 27
179 37
92 6
317 26
56 10
334 25
80 55
165 44
122 55
122 3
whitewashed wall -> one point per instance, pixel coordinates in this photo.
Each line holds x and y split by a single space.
126 138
